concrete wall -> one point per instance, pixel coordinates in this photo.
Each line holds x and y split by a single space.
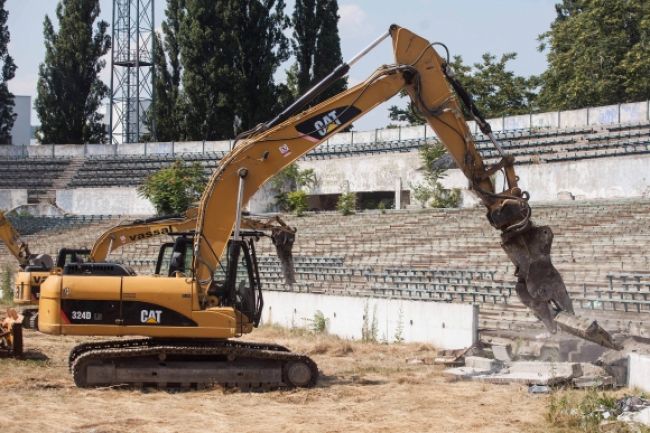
639 372
11 198
444 325
622 113
107 201
21 132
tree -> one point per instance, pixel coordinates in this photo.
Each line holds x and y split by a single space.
69 91
496 91
327 55
305 31
163 117
431 192
289 184
207 48
7 72
262 48
174 189
316 45
230 51
598 53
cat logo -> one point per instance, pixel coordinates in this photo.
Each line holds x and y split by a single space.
150 317
320 126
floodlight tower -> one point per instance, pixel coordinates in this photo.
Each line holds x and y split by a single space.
132 70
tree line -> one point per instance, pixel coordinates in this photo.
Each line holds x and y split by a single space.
216 64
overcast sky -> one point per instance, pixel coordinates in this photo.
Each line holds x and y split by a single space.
468 27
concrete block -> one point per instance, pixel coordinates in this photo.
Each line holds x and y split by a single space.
502 353
549 368
480 363
639 371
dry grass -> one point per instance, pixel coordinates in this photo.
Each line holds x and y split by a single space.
363 388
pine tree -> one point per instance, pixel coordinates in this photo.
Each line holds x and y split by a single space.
69 90
327 55
7 115
598 53
207 48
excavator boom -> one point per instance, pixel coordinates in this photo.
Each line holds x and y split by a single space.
429 81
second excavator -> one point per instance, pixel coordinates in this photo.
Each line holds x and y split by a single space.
207 293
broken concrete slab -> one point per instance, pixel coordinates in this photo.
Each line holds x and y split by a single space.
536 373
475 366
502 353
526 372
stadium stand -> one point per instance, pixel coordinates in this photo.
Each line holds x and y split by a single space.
443 255
529 146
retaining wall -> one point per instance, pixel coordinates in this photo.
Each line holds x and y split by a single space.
444 325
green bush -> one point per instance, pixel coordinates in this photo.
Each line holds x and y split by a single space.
431 192
347 203
297 202
289 180
174 189
319 325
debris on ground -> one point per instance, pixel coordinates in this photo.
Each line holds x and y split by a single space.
524 372
539 389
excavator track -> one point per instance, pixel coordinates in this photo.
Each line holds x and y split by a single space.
190 363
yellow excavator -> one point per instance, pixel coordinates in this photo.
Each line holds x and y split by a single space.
206 290
37 271
33 270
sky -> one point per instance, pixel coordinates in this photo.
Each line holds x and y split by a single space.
468 27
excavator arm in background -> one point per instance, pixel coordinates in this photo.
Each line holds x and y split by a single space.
429 81
122 235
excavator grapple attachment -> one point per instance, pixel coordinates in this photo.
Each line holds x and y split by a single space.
283 240
541 288
11 334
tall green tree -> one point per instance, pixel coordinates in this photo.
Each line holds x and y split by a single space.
163 117
69 91
598 53
496 90
207 48
316 45
7 72
305 32
262 47
230 50
328 47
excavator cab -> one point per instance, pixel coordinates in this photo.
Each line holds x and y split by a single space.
236 282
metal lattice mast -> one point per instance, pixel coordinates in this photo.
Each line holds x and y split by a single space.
132 69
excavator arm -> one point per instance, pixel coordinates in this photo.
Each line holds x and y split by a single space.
18 248
122 235
429 81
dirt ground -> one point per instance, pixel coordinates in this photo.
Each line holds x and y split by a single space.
364 387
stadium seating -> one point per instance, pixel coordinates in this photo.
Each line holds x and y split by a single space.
600 249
